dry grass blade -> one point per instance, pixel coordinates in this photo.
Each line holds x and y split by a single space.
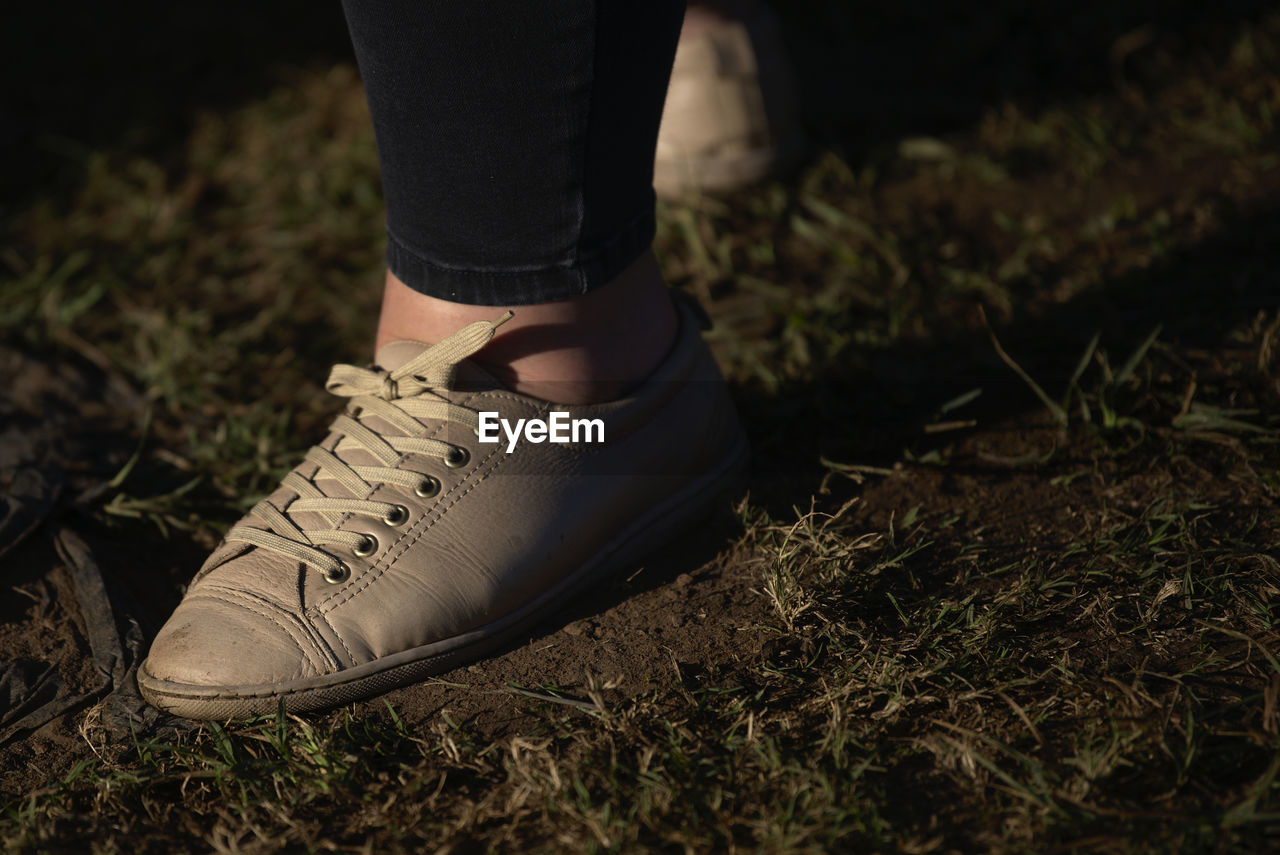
1135 358
586 706
1059 414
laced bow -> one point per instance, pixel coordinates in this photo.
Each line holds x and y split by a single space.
400 398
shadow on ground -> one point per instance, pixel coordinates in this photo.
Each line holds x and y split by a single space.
870 72
874 72
872 406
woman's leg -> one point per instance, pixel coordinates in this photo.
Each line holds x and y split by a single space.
516 142
442 516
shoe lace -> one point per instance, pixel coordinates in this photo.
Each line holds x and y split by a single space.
400 398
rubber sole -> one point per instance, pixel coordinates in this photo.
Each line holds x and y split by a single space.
649 532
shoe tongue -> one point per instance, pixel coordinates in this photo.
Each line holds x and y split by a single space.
469 376
396 353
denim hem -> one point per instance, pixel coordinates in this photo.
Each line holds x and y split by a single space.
522 287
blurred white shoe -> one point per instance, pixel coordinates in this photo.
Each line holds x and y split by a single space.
731 115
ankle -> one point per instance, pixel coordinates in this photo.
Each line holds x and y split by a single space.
588 349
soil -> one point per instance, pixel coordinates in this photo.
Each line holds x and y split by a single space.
692 612
688 612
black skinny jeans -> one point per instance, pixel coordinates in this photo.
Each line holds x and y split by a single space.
516 139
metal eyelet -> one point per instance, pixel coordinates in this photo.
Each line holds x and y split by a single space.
397 516
366 547
336 576
457 456
427 487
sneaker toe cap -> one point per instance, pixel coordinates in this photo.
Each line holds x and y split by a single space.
214 643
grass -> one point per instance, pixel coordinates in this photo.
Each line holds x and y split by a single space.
1006 576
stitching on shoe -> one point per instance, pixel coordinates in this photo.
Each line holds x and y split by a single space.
406 541
477 477
373 488
315 612
362 574
209 566
321 643
264 609
400 460
306 659
371 572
